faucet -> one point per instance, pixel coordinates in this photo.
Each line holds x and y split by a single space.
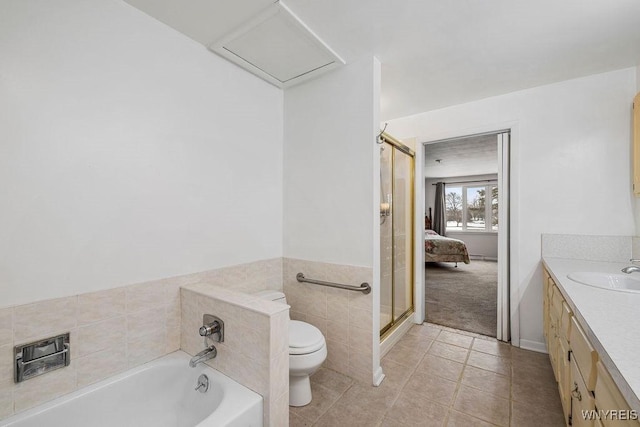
631 269
206 354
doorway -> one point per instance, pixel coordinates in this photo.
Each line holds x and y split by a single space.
467 233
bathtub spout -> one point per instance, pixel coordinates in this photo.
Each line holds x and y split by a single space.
204 355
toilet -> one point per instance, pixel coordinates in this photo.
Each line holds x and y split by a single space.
307 352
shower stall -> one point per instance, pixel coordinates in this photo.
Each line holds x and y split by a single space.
396 232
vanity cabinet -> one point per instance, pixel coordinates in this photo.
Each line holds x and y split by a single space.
584 384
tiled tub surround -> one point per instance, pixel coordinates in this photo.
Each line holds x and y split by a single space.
255 351
111 330
344 317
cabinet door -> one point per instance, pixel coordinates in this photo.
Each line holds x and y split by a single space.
564 377
609 398
581 399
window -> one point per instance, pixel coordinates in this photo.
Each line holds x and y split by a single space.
472 208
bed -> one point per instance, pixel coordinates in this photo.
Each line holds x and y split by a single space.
444 249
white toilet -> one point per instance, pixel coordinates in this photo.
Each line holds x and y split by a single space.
307 351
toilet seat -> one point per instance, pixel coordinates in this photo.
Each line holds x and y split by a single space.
304 338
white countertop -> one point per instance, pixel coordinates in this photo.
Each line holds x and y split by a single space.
611 320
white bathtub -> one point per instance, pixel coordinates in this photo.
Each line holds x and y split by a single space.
158 394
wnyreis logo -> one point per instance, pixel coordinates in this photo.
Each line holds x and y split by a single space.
610 414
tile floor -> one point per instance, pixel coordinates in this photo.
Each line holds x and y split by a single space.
438 376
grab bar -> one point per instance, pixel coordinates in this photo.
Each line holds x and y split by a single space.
364 287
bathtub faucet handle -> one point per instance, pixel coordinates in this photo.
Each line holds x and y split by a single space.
212 326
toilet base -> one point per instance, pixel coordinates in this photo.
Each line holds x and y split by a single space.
299 390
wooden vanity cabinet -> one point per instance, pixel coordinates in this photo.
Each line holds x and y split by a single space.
584 384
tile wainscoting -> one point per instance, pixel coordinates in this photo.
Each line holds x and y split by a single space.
344 317
112 330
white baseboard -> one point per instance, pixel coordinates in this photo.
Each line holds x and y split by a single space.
482 258
378 376
540 347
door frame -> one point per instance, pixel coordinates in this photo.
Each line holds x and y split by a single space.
508 325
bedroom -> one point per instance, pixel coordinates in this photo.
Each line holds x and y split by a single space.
461 233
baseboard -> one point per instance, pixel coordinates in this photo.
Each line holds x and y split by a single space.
540 347
378 376
482 258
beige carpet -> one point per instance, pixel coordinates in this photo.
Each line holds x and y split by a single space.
464 297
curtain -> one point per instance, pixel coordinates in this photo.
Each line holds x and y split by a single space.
439 223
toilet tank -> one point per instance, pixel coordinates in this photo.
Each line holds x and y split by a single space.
276 296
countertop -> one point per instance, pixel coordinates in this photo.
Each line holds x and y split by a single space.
611 320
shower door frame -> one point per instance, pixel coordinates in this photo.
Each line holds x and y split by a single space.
397 145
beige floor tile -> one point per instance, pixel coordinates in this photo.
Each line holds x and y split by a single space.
298 421
361 414
445 368
425 330
406 356
418 342
526 415
426 395
415 410
448 351
528 358
542 396
480 404
323 398
364 394
396 375
458 419
493 346
455 339
332 380
431 387
389 422
488 381
489 362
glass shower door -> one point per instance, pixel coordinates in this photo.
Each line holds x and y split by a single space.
396 232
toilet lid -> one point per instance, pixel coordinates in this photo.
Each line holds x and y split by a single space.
304 338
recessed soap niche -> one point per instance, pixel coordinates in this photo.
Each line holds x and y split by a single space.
39 357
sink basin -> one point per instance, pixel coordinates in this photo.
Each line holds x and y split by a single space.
613 281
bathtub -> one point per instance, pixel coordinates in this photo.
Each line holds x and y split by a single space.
158 394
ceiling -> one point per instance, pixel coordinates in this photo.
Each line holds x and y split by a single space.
475 155
439 53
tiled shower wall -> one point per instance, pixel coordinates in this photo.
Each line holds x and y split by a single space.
110 331
344 317
255 351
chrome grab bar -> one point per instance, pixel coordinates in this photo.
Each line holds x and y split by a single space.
364 287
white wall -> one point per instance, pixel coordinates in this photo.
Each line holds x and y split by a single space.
570 166
128 152
329 142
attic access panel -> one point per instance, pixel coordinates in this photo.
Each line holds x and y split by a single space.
278 47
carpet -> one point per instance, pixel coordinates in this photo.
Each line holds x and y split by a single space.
463 298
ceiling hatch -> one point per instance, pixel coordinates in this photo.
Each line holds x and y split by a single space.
278 47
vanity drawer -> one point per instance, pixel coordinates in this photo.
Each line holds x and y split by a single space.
609 398
583 354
